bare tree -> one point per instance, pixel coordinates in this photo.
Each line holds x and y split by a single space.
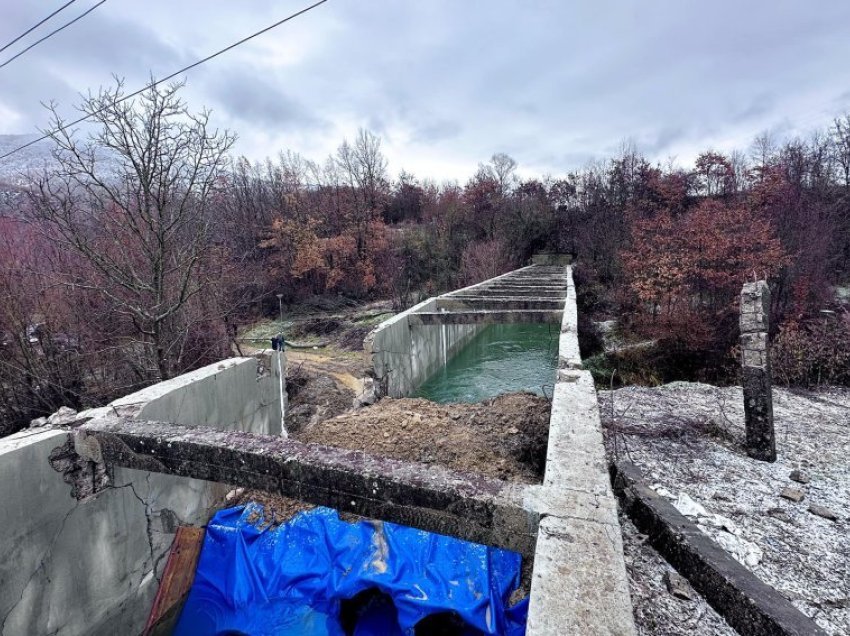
841 144
364 166
133 202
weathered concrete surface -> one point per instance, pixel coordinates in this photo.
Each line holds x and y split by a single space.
84 568
404 355
408 348
432 498
230 395
752 607
755 360
69 567
485 317
579 583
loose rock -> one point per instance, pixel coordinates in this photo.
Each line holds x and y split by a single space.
820 511
792 494
678 586
800 477
779 513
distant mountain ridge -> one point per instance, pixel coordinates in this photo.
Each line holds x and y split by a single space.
13 169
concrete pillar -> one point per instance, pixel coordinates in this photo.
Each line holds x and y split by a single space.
758 398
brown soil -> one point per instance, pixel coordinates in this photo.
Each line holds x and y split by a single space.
320 387
504 438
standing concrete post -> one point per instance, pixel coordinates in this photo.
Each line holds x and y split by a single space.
758 397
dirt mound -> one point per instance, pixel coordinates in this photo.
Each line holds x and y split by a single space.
313 397
503 438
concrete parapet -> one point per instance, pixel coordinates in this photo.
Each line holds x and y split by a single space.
230 394
406 353
486 316
504 303
579 583
74 567
748 604
411 346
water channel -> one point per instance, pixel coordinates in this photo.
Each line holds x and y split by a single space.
500 359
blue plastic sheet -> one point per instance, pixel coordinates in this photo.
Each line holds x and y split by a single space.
292 579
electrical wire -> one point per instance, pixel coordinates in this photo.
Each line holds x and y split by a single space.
165 79
33 28
51 34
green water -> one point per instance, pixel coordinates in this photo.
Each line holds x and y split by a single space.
500 359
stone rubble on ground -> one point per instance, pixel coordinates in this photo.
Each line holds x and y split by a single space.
678 586
792 494
820 511
799 476
689 437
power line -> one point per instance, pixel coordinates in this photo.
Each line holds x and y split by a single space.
52 33
33 28
165 79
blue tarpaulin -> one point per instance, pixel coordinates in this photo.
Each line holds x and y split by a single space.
293 578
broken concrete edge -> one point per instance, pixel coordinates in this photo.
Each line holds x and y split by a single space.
749 605
432 498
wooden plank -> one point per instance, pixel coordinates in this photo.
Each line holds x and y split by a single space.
176 581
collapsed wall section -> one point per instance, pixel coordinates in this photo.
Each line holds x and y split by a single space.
92 567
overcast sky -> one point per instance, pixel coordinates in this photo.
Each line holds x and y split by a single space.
446 83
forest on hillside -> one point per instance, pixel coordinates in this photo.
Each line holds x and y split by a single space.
119 273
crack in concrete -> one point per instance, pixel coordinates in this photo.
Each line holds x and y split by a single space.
40 565
148 519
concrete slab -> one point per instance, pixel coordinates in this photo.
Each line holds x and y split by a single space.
579 583
432 498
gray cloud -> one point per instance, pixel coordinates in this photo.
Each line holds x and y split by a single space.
448 83
251 99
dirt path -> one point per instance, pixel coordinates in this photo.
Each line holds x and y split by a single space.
348 371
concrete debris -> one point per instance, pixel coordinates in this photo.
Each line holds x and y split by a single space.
689 507
38 422
820 511
799 476
234 495
745 552
792 494
63 417
369 395
696 511
678 586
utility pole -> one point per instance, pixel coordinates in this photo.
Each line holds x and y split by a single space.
281 368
